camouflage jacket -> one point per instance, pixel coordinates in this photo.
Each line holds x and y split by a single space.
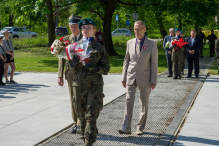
68 70
99 58
217 46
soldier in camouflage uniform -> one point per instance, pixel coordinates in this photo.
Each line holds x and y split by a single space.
212 37
88 83
202 36
69 71
217 52
178 57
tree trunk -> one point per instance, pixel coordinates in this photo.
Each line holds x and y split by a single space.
11 20
161 26
108 43
50 23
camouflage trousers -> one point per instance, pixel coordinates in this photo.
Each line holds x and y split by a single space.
178 58
88 102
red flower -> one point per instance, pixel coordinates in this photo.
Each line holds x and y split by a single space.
61 39
51 48
179 43
86 60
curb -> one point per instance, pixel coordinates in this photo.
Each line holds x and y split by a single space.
172 130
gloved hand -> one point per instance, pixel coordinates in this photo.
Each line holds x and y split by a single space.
75 60
91 67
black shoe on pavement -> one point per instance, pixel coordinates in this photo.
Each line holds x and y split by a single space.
2 83
74 129
189 76
179 77
175 77
169 75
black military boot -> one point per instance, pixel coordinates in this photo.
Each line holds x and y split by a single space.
175 76
179 76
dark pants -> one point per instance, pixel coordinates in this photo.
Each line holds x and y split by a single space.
211 46
169 64
190 65
201 50
1 69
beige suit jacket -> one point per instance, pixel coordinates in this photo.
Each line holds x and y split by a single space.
144 69
68 70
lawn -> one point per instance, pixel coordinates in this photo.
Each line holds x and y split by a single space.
31 57
214 68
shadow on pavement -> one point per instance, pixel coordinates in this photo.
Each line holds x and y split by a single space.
196 140
14 89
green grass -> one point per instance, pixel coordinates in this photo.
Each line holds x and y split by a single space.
214 68
39 59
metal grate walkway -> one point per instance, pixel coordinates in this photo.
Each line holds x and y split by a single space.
164 103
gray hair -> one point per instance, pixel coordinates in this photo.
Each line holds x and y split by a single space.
140 22
171 29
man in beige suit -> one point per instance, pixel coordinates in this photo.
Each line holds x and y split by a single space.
139 70
69 71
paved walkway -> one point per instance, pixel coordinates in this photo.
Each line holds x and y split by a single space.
37 107
201 126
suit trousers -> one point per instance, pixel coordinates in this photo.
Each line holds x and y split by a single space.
73 112
190 65
130 98
169 64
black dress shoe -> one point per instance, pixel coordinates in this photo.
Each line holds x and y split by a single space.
74 129
169 75
2 83
175 77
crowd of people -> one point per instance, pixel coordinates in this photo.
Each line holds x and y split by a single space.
192 51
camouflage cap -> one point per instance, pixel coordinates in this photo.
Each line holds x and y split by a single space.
74 19
177 29
86 21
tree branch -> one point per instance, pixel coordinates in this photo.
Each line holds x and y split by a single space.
92 10
133 4
69 4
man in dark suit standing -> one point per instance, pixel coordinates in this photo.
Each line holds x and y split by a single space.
168 51
192 49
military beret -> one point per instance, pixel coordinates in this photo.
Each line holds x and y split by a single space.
181 32
86 21
177 29
74 19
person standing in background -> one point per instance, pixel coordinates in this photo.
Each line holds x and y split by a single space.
9 50
99 36
168 51
2 60
201 35
212 37
217 52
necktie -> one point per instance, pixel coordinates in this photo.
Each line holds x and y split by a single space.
75 39
8 45
138 49
192 41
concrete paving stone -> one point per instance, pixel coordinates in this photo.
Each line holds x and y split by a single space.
197 141
7 119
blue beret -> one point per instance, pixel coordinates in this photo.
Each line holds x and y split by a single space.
86 21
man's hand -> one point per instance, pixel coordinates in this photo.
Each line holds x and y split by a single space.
190 51
60 81
169 52
153 86
124 84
